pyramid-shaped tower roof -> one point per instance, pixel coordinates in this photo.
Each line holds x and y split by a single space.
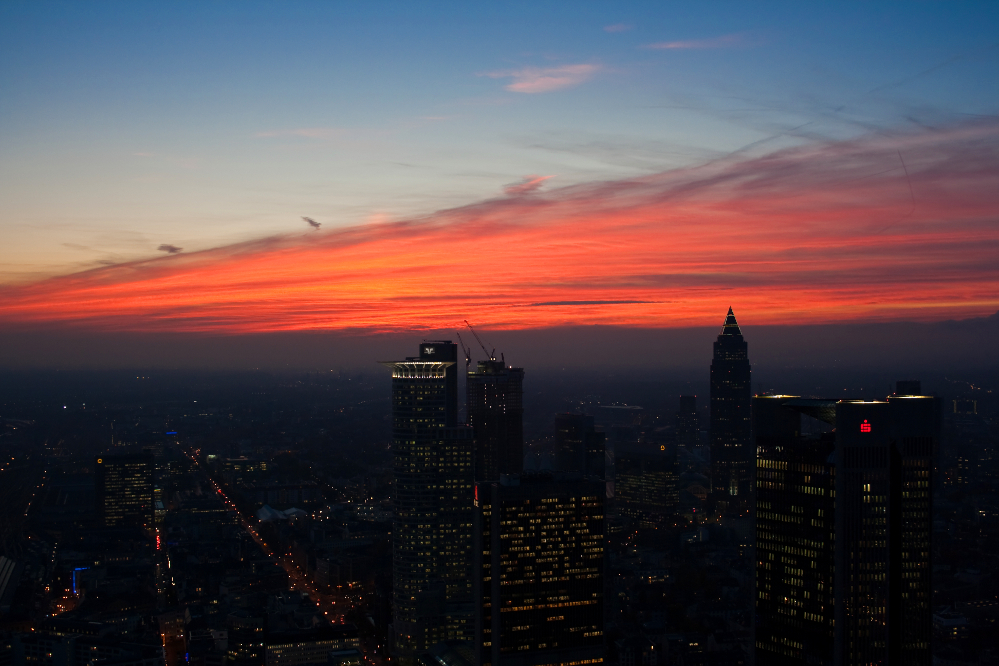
731 326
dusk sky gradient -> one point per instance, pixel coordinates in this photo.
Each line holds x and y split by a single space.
520 165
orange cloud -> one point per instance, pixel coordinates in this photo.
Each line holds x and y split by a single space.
822 233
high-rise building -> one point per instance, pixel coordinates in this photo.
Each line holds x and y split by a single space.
688 424
731 413
432 460
843 531
124 490
496 414
579 447
645 485
795 536
539 571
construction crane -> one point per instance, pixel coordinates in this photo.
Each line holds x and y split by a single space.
467 350
491 356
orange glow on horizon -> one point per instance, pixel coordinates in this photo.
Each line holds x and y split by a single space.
827 233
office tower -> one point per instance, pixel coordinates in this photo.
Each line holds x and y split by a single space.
688 424
847 511
579 447
539 571
124 490
731 451
645 486
795 513
431 544
496 414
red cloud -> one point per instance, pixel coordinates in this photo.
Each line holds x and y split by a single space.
822 233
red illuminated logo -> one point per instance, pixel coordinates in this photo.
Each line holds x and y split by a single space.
865 426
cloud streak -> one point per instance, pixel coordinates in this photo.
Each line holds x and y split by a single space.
722 42
545 79
526 186
816 234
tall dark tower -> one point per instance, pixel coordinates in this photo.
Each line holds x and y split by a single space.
731 414
432 536
496 414
687 422
843 531
579 447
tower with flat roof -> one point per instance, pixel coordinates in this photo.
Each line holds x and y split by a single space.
731 409
579 447
496 414
844 527
432 463
124 490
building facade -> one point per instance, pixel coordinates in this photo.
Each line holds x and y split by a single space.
496 415
124 490
539 571
731 414
579 447
844 526
432 460
645 486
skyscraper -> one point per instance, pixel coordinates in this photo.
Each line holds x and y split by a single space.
731 393
579 447
645 485
843 531
795 535
539 572
432 460
496 414
124 490
688 424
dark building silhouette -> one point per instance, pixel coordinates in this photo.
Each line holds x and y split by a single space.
579 447
731 394
843 530
124 490
539 572
496 414
645 486
688 423
432 459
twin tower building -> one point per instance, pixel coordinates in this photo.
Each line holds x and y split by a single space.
497 565
511 566
841 493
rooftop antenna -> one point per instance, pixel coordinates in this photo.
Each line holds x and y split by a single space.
491 356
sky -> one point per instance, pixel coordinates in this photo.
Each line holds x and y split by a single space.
258 167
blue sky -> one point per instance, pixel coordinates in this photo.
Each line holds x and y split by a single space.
128 125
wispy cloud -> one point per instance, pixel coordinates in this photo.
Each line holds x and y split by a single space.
170 249
723 42
618 27
306 132
825 232
545 79
526 186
